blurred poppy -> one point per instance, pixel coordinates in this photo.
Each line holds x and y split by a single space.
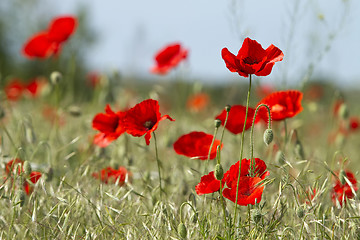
196 145
110 125
14 90
250 191
168 58
208 184
343 190
48 42
283 104
144 118
9 167
34 177
110 175
252 59
354 123
198 102
34 87
236 119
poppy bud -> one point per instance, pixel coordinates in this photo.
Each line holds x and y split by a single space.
256 215
55 77
268 136
27 168
217 123
300 212
227 108
182 230
343 111
219 172
280 157
74 111
20 198
342 176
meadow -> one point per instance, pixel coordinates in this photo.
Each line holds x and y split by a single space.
89 155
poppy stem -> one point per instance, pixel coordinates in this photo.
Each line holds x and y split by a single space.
211 146
158 163
242 148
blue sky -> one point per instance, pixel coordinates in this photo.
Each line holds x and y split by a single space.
318 33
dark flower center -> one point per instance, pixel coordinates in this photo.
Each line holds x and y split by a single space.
148 124
250 61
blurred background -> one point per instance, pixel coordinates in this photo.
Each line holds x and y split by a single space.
320 40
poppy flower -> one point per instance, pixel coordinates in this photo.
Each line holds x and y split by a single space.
354 123
236 119
144 118
196 145
250 191
34 177
341 192
198 102
111 175
283 104
208 184
34 87
48 42
9 167
252 59
14 90
110 126
168 58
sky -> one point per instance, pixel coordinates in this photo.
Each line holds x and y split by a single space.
319 38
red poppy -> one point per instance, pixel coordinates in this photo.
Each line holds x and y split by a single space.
198 102
34 87
341 192
144 118
168 58
252 59
11 164
34 177
48 42
283 104
196 145
208 184
354 123
14 90
250 191
110 175
235 122
110 126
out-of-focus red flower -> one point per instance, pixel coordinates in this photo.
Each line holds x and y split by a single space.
236 119
252 59
198 102
208 184
110 175
354 123
9 167
34 87
144 118
34 177
337 106
341 192
196 145
93 79
48 42
283 104
168 58
14 90
314 92
110 125
250 191
311 193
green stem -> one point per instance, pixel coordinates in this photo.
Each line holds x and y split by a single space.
224 209
223 131
211 146
242 148
158 164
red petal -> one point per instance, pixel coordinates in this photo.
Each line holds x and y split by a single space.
208 184
274 54
39 46
61 28
232 63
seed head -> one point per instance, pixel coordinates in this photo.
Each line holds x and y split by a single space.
27 168
268 136
217 123
55 77
182 230
219 172
227 108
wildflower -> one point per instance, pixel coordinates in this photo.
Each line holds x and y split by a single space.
233 173
354 123
208 184
283 104
14 90
48 42
110 125
252 59
236 118
196 145
34 177
144 118
198 102
111 175
342 191
168 58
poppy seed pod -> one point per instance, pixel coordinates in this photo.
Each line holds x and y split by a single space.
268 136
27 168
300 212
182 230
219 172
55 77
227 108
217 123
